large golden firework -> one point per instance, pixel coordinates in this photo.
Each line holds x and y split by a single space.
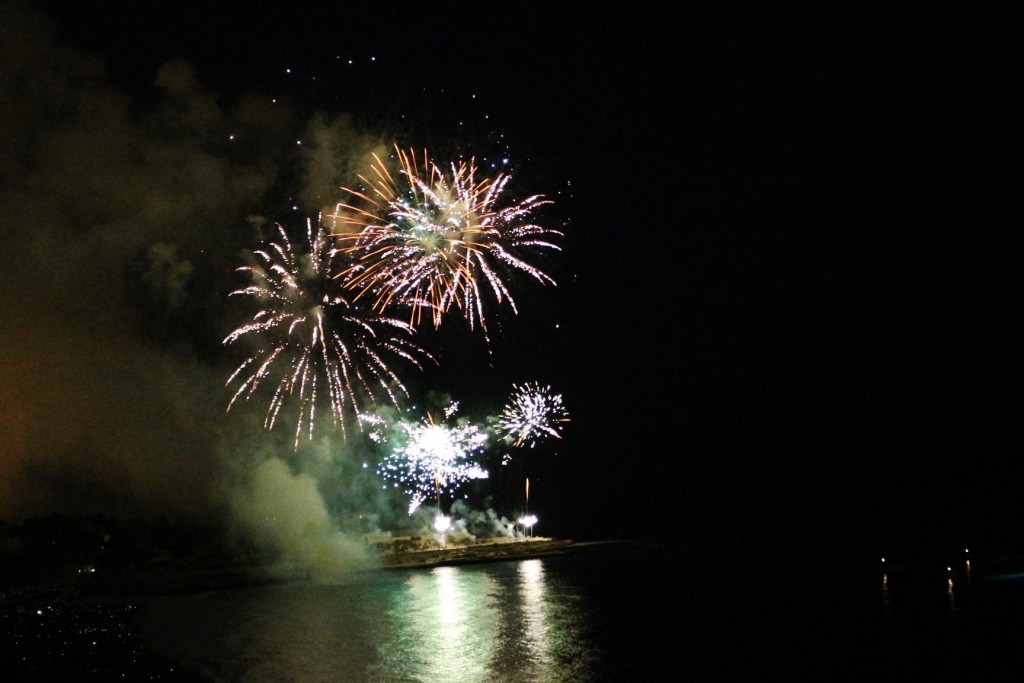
422 238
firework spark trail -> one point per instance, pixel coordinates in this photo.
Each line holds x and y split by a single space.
308 336
532 413
434 457
430 239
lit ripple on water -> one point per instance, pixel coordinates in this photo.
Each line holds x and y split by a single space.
509 621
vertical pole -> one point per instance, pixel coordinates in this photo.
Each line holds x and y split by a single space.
527 511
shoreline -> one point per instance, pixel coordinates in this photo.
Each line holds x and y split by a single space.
141 583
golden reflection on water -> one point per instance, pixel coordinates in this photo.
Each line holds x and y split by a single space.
886 604
444 627
513 622
472 624
531 590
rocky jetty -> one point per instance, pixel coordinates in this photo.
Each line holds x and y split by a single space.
398 555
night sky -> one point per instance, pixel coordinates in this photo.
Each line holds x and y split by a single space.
788 304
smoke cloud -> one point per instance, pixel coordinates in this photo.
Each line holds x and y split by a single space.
285 514
121 228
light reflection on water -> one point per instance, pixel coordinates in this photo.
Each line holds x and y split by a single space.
511 621
949 617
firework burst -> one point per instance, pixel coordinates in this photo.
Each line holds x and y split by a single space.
312 340
435 240
532 413
434 458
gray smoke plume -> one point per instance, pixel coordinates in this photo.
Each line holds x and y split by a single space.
120 231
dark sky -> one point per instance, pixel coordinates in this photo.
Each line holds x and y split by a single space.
789 300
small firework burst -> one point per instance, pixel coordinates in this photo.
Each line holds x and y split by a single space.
531 414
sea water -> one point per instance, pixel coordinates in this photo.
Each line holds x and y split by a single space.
630 614
568 618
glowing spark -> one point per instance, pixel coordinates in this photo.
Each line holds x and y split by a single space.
428 239
532 413
374 426
314 340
